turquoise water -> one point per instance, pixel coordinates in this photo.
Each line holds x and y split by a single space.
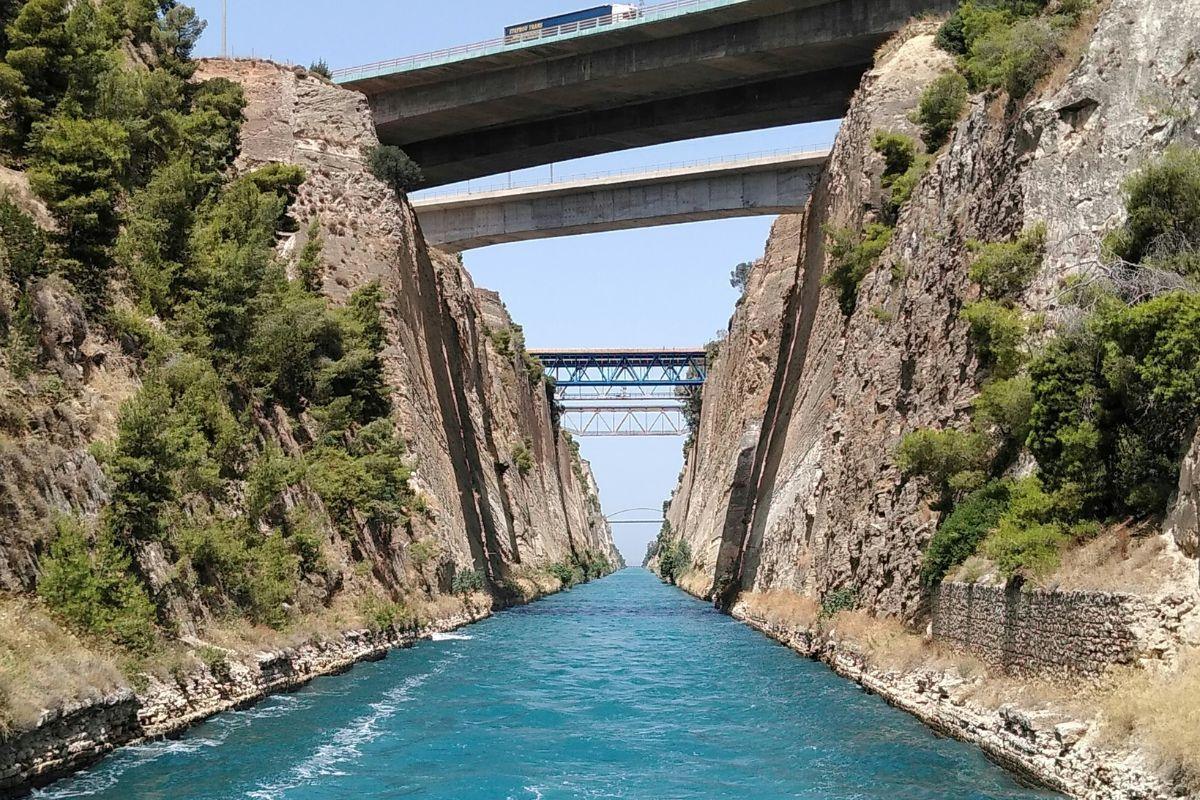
622 688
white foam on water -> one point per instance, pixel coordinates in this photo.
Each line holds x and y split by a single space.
450 637
85 784
327 760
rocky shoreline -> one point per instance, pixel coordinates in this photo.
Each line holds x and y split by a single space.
1061 754
72 738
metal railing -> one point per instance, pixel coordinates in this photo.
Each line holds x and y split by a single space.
421 198
652 13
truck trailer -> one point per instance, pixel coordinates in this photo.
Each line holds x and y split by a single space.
589 17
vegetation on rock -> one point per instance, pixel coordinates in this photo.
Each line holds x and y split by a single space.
392 165
941 105
1009 44
1105 408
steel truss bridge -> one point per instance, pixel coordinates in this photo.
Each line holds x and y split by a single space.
623 392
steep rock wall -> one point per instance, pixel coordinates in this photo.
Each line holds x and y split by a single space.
462 406
827 507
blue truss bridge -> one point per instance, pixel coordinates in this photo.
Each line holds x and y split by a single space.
624 369
628 392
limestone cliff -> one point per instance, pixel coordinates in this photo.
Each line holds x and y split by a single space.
502 490
792 482
791 504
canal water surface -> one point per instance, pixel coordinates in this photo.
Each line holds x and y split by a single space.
623 688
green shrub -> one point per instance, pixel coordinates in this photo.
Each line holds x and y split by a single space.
502 340
292 338
591 565
467 581
1014 57
270 474
941 105
1163 214
941 456
368 475
566 574
902 187
535 371
77 168
234 562
903 169
22 245
392 165
1004 269
1007 405
319 67
522 456
1032 550
951 36
424 551
216 660
1115 403
675 558
898 151
384 615
837 601
308 266
999 333
153 244
853 256
210 131
94 589
739 277
960 533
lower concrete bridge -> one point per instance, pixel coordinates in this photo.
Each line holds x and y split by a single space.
776 183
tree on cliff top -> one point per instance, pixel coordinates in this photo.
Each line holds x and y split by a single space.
392 165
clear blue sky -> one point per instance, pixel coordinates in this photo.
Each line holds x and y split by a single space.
657 287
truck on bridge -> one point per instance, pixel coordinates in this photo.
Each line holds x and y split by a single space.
575 20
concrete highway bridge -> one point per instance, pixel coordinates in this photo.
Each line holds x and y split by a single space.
775 183
678 70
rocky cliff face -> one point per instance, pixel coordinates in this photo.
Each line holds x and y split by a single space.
463 406
796 488
791 499
505 491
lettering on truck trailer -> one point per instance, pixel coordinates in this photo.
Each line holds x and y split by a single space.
600 15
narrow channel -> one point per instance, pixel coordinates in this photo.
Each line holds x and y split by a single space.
622 688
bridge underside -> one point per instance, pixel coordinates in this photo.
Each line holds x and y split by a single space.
748 65
736 190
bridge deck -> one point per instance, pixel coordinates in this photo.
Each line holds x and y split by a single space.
505 51
777 183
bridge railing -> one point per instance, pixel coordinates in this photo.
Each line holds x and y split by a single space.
419 198
646 14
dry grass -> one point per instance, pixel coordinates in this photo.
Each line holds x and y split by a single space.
972 570
1115 561
1074 45
885 642
781 607
444 606
43 666
1066 697
917 26
1160 711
